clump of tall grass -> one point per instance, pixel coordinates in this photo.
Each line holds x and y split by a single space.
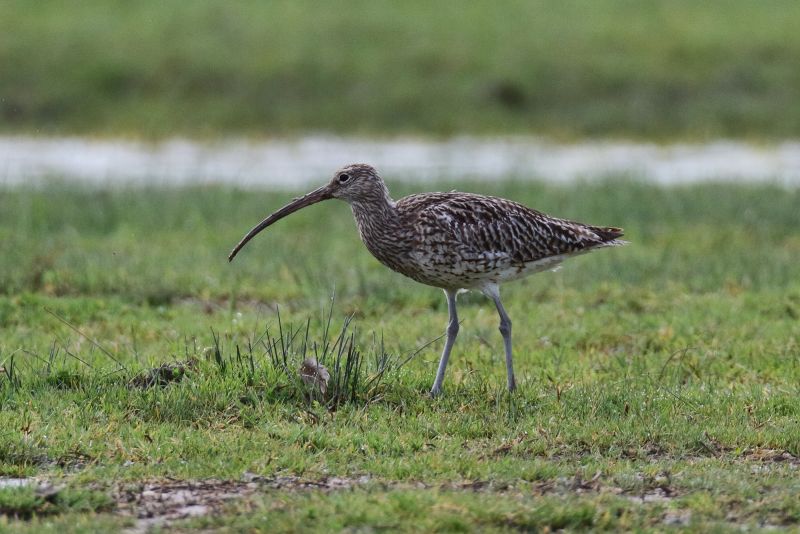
353 374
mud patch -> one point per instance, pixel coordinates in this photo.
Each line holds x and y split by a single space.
771 456
159 503
154 504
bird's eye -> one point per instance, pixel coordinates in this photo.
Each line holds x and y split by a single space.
344 177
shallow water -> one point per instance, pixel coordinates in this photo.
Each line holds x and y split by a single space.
310 160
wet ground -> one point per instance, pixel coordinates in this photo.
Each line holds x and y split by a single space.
310 160
159 503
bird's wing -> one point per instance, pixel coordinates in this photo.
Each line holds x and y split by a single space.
483 227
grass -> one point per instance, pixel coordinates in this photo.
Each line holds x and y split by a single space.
659 70
26 503
658 382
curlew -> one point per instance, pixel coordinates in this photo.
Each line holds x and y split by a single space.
453 241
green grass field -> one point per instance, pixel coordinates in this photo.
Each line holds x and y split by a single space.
667 69
658 382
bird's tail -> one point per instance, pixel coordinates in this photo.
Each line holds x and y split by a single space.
607 233
610 235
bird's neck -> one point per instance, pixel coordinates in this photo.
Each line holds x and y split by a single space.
380 228
376 210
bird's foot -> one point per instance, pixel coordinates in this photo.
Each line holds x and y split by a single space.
435 392
512 384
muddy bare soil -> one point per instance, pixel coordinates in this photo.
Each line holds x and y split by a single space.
162 502
159 503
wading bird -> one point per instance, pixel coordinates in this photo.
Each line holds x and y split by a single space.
453 241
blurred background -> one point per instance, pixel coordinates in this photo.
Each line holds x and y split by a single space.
280 93
660 70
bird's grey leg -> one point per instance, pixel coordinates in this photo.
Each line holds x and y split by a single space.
493 293
452 332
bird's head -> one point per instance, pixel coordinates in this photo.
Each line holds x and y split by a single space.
357 182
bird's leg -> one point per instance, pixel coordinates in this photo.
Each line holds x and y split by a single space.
452 332
505 330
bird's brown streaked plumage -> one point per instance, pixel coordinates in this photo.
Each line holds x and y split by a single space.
453 240
463 240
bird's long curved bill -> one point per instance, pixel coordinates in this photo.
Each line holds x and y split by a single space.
317 195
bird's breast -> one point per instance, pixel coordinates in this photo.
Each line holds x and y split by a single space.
391 244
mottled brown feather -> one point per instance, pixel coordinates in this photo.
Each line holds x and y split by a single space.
464 240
